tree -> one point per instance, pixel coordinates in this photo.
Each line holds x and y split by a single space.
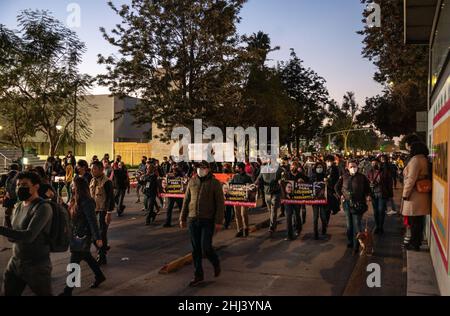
344 120
402 70
39 78
308 92
181 57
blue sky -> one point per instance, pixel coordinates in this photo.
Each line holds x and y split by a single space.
323 33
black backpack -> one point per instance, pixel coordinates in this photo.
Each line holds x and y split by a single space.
60 231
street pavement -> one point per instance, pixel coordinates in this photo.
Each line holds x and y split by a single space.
253 266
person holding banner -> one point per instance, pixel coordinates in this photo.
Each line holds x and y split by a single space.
204 206
175 172
320 210
293 219
241 212
270 180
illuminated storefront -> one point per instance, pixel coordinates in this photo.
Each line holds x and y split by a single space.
428 22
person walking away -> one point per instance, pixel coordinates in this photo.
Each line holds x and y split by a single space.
150 191
242 221
121 183
203 206
84 230
321 211
417 200
354 188
177 173
270 180
101 189
293 219
31 221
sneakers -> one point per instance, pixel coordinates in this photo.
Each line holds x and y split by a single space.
97 282
391 213
196 281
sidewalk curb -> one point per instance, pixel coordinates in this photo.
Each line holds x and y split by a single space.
179 263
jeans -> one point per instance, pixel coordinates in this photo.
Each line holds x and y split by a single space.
118 198
303 210
354 225
273 204
417 225
323 212
202 232
77 257
149 204
19 274
241 217
172 202
293 220
379 211
103 233
69 191
228 215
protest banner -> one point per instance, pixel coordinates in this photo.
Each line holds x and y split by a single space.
304 193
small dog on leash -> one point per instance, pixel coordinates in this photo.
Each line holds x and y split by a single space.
365 239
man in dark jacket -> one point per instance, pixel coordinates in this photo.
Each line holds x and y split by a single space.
204 206
150 184
269 179
354 189
332 178
121 183
241 212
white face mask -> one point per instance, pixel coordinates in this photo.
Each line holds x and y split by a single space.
319 170
202 172
353 171
329 164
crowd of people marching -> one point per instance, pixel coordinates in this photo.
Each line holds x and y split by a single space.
91 192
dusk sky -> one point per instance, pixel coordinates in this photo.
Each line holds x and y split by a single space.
323 33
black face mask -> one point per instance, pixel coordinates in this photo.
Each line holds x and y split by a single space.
23 193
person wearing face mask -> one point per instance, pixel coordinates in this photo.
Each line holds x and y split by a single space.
241 212
83 171
150 184
176 173
332 178
293 219
204 206
354 189
121 183
381 186
30 263
321 211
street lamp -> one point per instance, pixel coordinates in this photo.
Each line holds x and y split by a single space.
59 128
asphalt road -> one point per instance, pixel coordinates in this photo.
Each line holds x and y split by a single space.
253 266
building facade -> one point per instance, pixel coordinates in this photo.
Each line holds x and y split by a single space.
113 136
427 22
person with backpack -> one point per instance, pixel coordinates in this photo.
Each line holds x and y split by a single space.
10 196
354 189
85 230
31 224
269 179
101 189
